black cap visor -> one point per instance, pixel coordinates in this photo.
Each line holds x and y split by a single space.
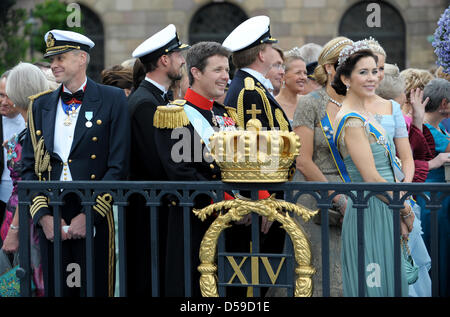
173 46
265 38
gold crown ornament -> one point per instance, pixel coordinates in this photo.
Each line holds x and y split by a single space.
254 155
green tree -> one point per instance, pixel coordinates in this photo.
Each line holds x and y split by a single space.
13 34
52 14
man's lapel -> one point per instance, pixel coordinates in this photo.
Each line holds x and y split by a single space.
48 119
155 91
91 103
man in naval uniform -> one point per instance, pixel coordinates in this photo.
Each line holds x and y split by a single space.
163 62
82 128
254 56
182 136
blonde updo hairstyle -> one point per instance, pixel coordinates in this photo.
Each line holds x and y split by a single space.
329 55
440 73
375 46
415 78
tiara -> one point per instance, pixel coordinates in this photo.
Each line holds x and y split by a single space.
295 51
375 45
352 49
336 45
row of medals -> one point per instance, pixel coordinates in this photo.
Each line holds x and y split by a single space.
72 115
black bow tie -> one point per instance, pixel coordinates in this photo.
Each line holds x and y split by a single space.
168 96
69 98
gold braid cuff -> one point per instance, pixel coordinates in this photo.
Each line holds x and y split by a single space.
38 202
103 204
170 117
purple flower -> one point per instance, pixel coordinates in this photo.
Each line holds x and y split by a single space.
441 41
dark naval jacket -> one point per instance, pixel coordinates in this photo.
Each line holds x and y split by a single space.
142 103
98 152
270 115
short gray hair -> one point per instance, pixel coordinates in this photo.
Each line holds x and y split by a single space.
310 52
88 57
437 90
25 80
392 84
5 74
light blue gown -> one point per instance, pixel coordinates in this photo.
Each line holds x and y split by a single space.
395 127
378 237
441 140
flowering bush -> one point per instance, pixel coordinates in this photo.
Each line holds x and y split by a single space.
441 41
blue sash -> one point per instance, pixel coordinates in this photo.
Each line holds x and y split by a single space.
202 127
327 129
200 124
398 174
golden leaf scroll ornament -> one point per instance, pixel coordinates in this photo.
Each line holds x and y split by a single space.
274 210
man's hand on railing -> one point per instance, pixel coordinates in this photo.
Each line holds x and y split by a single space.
265 224
47 226
340 201
77 229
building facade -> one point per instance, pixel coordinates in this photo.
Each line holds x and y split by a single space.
403 27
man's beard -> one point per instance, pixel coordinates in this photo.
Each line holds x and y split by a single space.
173 76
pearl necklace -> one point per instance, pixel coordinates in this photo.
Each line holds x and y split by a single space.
335 102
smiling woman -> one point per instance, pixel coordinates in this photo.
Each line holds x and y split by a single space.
293 82
363 146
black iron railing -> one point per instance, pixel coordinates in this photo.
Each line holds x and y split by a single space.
185 192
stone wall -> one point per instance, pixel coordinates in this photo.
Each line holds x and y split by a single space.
294 22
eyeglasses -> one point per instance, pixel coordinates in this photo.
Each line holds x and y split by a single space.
279 66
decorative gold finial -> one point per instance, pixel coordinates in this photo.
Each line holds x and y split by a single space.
255 155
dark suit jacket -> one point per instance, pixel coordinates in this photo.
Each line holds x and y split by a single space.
145 163
97 153
252 97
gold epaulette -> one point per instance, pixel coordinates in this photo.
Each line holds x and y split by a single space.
171 116
249 83
233 114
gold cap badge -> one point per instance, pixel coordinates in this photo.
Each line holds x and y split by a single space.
50 40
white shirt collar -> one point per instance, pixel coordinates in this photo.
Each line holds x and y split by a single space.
159 86
263 80
81 87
